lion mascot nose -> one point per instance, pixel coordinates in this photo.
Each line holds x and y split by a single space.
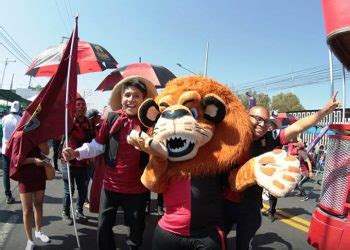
174 114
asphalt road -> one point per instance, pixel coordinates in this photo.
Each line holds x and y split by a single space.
289 231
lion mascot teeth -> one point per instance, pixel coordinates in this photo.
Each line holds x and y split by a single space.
198 131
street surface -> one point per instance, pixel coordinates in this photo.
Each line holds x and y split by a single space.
289 231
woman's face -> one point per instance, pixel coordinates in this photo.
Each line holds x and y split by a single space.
132 98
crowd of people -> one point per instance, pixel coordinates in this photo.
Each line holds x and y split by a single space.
93 136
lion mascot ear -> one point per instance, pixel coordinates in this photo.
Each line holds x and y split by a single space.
214 108
149 113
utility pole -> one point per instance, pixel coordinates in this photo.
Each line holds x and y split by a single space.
7 61
7 103
206 60
30 80
12 82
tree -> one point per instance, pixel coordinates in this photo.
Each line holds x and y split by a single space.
286 102
244 100
261 99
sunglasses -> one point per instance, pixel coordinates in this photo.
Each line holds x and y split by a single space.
261 120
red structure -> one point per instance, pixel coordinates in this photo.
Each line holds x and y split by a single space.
337 20
330 223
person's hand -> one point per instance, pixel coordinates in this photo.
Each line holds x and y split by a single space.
311 174
39 162
332 104
69 154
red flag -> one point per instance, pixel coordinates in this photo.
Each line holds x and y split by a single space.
44 119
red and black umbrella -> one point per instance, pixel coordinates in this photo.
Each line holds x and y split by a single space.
286 119
91 58
158 75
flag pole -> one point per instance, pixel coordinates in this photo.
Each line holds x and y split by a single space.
66 131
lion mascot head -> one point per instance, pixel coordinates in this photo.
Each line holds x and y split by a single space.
202 124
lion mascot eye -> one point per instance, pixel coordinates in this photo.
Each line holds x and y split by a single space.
149 113
214 108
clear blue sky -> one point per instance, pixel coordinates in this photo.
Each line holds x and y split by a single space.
249 40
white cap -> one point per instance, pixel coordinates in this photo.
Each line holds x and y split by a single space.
14 107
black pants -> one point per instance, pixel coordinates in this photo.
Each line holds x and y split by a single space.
6 177
247 216
304 178
56 146
159 199
78 176
273 204
133 206
163 239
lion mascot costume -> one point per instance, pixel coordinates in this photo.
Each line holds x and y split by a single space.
198 131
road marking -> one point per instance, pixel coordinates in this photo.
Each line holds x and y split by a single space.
294 217
291 219
290 216
6 229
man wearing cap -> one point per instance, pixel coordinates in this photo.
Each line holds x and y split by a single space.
9 123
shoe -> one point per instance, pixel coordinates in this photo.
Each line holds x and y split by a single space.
66 219
305 198
265 213
30 245
10 200
148 208
160 210
58 171
79 216
271 217
43 237
87 205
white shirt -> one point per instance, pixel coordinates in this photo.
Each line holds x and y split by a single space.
9 123
90 150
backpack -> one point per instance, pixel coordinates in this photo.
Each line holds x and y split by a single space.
110 154
111 149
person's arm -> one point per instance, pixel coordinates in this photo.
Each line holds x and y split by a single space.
309 166
303 124
91 149
49 169
306 158
44 148
33 160
88 150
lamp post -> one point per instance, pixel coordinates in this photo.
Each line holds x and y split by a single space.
178 64
7 61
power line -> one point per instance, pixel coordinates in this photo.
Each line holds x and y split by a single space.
285 77
61 16
14 48
269 78
310 76
26 64
67 12
14 41
70 8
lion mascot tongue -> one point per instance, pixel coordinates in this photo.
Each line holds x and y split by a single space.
199 131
